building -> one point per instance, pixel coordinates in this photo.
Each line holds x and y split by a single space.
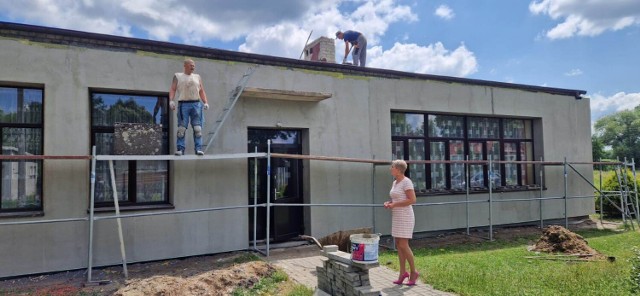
77 85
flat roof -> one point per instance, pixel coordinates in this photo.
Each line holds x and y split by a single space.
103 41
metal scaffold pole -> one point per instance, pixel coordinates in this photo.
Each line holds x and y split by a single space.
566 214
118 219
601 194
490 199
255 197
466 178
373 196
541 193
91 211
268 193
635 190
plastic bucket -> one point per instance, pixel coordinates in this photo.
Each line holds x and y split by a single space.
364 247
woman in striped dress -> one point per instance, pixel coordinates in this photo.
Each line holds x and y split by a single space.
402 220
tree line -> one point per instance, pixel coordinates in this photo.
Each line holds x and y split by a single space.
617 136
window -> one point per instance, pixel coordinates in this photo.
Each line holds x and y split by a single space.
454 137
137 182
21 133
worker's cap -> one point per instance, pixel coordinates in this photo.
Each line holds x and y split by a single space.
338 33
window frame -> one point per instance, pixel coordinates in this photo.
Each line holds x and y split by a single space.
132 202
429 138
39 172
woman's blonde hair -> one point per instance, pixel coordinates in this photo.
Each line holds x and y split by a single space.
399 164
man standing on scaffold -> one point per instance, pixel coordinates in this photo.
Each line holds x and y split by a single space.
187 89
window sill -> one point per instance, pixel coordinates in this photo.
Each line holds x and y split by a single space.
477 190
28 214
133 208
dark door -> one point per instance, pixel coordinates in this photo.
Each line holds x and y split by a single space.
285 186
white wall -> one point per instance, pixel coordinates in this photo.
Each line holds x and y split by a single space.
354 123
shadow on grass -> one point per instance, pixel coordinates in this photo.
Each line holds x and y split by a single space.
592 233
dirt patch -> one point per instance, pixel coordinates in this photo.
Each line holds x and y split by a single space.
226 271
217 282
202 275
557 239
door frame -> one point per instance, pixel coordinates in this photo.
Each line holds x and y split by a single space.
295 214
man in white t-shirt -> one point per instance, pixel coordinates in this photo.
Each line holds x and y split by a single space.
187 89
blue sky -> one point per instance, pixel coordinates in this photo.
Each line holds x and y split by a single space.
591 45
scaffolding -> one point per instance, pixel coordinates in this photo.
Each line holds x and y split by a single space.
627 194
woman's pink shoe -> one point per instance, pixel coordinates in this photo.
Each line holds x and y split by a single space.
401 279
413 282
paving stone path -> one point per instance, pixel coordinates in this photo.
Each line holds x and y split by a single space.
303 271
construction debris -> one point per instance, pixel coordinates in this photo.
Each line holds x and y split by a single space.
557 239
341 238
566 246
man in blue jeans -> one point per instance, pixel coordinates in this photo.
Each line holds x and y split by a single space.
359 44
187 89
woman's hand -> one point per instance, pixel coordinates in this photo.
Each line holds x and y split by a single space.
388 205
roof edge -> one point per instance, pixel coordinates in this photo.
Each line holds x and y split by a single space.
86 39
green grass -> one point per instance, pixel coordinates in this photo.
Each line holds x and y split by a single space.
272 285
499 268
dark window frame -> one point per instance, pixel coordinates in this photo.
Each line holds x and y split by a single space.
466 139
38 126
132 202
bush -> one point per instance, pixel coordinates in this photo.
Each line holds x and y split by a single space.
611 183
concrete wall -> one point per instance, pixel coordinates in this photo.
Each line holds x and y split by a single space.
355 123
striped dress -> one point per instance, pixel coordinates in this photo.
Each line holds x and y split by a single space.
402 219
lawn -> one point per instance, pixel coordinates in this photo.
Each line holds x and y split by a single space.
500 267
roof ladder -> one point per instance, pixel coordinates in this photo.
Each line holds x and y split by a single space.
233 98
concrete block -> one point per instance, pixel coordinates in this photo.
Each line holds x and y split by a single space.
351 276
340 257
366 266
330 249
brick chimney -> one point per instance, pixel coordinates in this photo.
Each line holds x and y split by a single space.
322 49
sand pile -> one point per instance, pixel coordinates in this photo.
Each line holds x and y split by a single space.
557 239
217 282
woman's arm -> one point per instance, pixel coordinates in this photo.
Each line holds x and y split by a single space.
411 199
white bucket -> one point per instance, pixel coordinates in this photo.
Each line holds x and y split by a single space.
364 248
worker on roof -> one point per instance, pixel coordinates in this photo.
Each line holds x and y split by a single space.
358 45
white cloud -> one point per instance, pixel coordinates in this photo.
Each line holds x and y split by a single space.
602 105
432 59
278 27
574 72
191 21
587 18
444 12
287 39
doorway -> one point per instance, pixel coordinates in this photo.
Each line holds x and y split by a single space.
285 187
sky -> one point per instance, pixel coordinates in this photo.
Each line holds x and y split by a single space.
590 45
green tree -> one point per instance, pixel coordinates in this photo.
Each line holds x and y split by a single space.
621 131
597 147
